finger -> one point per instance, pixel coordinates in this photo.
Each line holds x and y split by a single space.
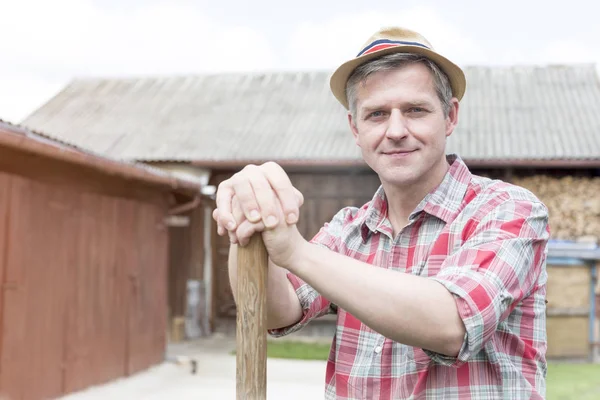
223 202
246 229
238 213
300 197
244 191
266 199
231 233
215 216
285 191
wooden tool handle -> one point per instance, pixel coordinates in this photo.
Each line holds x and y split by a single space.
251 332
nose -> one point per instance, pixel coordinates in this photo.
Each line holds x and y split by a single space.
396 129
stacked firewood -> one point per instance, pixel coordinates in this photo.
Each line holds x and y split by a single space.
573 203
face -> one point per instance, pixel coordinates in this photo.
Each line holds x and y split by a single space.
400 126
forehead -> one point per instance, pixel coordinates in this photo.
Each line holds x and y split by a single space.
407 84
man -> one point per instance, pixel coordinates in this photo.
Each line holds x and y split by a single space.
439 282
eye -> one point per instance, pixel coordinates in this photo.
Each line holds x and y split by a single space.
417 109
375 114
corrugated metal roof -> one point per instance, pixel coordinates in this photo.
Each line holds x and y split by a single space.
527 112
25 139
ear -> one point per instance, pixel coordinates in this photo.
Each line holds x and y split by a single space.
452 118
353 128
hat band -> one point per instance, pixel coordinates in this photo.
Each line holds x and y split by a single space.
385 43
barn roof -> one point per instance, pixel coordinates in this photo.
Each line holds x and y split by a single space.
24 140
508 113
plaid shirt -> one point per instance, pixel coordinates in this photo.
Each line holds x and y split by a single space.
485 241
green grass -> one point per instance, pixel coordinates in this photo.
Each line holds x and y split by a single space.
298 350
568 381
565 381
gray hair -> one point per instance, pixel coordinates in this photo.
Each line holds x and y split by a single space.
397 60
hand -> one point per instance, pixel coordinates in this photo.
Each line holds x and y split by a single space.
244 228
261 192
282 241
259 199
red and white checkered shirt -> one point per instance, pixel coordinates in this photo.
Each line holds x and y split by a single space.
485 241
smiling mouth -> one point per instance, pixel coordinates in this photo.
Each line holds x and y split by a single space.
399 152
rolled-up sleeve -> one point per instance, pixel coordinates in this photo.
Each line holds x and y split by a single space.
498 266
314 305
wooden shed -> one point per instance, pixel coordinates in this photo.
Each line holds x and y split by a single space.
83 265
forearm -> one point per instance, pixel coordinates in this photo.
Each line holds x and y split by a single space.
405 308
283 305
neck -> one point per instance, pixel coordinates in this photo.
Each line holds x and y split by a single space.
402 200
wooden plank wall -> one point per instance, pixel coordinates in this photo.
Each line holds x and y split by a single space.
83 277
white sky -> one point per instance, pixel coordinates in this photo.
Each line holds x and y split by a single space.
45 44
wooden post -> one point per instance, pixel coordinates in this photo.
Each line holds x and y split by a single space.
251 331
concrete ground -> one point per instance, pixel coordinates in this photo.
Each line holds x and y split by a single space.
215 376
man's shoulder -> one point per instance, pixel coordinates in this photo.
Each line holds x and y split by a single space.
491 206
484 191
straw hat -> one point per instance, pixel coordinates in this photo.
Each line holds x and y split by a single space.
395 40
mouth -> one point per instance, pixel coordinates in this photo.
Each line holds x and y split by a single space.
399 153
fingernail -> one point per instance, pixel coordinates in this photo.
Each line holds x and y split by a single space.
254 215
291 218
271 221
231 225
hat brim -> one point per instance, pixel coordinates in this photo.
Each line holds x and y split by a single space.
455 74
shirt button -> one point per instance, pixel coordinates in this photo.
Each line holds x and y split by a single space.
378 349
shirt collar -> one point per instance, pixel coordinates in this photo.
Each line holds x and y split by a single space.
443 202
